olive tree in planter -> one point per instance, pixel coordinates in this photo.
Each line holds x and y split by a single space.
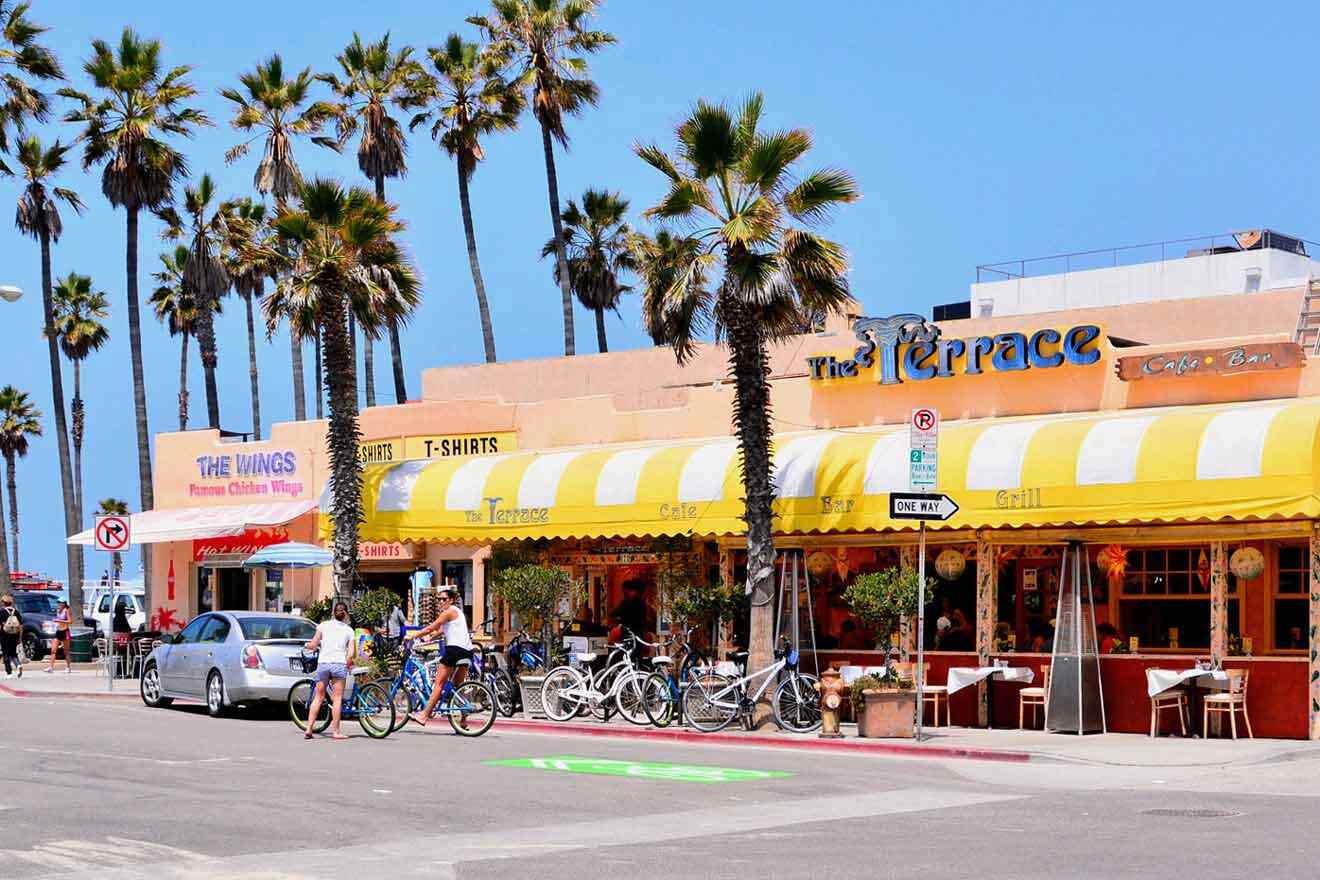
535 592
881 600
885 705
688 600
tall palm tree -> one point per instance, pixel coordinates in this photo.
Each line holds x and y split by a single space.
24 65
469 100
545 41
374 77
38 215
19 421
80 315
205 272
249 237
276 108
600 247
114 507
175 307
346 259
140 103
749 218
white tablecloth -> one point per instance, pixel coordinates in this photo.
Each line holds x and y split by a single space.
849 674
1160 680
963 676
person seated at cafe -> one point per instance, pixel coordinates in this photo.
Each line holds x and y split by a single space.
119 622
1109 636
961 636
584 624
851 637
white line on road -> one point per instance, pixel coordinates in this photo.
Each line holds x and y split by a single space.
83 754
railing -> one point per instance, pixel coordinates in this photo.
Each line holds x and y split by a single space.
1149 252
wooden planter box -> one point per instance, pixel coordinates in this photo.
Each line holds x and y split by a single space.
887 714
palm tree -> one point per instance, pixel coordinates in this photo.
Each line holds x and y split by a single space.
276 108
38 215
546 41
374 78
114 507
175 307
80 315
19 420
346 259
24 63
469 100
249 237
139 104
205 273
600 247
749 221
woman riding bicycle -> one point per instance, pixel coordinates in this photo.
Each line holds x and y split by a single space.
458 649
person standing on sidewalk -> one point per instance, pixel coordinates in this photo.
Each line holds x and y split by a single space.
61 638
11 632
338 644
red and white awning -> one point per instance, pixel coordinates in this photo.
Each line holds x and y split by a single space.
190 523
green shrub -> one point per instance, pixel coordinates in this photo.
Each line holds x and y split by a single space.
373 608
881 599
319 610
537 592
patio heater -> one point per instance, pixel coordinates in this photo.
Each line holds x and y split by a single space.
1074 702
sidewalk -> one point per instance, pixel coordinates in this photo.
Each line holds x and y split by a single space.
1114 749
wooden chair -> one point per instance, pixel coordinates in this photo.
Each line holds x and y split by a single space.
933 694
1172 699
1230 701
1034 697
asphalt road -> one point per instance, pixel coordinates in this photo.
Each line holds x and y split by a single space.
115 790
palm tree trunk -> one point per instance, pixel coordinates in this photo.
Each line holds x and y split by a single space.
601 344
210 358
342 440
320 395
6 584
369 367
11 483
483 308
396 350
252 362
561 260
750 366
299 392
183 383
78 431
139 404
73 553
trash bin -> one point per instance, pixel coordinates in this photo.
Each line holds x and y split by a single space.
80 646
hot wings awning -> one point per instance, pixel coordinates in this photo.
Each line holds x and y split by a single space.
191 523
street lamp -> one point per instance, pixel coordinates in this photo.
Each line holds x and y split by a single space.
10 293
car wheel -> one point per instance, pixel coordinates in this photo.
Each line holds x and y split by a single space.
150 688
31 645
215 695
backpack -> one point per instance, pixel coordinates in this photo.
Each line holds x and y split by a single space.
12 626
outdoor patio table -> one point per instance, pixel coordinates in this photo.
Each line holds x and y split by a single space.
964 676
1160 680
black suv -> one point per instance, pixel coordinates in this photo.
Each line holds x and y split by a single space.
37 608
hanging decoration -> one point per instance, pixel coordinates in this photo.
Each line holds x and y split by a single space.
950 564
1247 563
820 564
1203 571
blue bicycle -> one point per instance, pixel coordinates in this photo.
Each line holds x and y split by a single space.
470 707
368 703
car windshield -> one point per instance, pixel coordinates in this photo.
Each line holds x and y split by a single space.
258 628
36 604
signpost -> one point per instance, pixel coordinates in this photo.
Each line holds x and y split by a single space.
111 533
923 475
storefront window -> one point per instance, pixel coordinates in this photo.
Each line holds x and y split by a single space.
1290 599
1165 600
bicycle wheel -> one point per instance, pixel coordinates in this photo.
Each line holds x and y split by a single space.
797 704
710 702
404 704
602 683
506 694
300 703
629 696
563 693
375 710
472 709
658 699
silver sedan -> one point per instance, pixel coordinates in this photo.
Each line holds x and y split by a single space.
226 658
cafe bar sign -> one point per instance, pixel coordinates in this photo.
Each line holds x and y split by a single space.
907 348
1252 358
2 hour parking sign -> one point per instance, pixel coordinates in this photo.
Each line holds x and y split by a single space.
923 448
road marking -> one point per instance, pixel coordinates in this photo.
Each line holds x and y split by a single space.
164 762
109 852
639 769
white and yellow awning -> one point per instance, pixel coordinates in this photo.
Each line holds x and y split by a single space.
1236 462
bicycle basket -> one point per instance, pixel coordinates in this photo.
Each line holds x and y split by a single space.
308 662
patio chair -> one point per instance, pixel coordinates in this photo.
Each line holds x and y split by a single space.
934 694
1171 699
1035 697
1231 701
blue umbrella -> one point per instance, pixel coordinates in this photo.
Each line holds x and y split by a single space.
289 555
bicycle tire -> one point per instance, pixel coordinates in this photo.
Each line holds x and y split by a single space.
404 705
482 699
375 710
629 697
698 709
601 683
557 706
797 704
506 693
657 701
300 704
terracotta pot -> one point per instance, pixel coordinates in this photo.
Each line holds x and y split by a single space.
887 714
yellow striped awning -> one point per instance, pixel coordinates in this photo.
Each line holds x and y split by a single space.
1242 461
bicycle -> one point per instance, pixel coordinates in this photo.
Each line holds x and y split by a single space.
568 691
712 701
472 701
368 703
485 667
677 671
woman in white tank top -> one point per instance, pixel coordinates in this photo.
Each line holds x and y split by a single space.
458 649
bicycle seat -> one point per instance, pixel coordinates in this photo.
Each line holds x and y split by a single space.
661 661
584 658
739 656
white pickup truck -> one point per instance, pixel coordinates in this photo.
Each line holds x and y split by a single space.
98 609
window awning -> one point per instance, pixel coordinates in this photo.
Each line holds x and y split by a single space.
1243 461
189 523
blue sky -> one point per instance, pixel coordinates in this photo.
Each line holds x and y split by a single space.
977 132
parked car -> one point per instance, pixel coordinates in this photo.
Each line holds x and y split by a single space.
228 658
97 613
37 608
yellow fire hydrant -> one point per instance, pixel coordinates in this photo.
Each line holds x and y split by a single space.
832 694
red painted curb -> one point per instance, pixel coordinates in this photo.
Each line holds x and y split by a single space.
785 742
68 695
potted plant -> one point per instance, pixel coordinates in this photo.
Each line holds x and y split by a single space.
886 704
881 599
537 592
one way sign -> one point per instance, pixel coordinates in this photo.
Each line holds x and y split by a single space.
912 505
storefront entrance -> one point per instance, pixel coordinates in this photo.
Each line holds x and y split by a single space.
223 589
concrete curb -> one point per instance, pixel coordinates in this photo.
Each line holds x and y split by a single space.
70 695
812 742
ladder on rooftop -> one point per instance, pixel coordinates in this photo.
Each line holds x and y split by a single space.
1308 319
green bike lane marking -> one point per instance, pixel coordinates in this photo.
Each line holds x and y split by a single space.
638 769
